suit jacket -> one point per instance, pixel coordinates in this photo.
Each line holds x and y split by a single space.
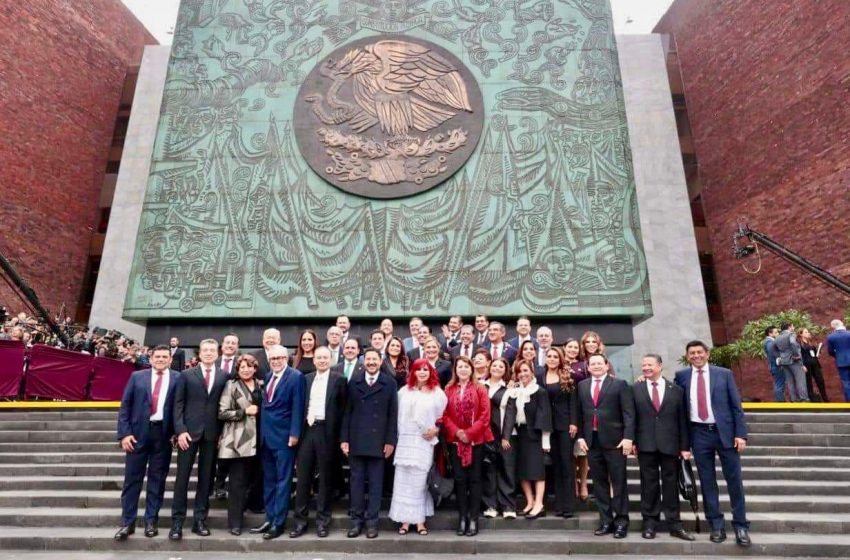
725 402
239 433
455 351
770 353
340 369
334 402
515 343
196 410
665 431
446 344
178 360
482 341
444 371
407 344
263 360
478 431
538 415
371 415
788 348
496 420
415 354
135 413
615 412
838 346
219 363
508 351
283 417
564 405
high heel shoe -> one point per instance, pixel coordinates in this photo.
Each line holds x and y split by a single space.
541 513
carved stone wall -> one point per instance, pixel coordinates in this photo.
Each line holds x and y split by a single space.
541 220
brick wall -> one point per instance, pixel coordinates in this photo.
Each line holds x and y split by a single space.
62 68
767 86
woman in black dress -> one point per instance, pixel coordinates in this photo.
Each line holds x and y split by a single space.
809 351
579 373
499 463
396 360
303 359
533 422
561 388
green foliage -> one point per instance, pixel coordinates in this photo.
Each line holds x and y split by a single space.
751 342
847 315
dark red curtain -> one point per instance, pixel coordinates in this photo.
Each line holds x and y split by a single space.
110 377
11 367
57 374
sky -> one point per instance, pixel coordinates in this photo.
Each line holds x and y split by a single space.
630 16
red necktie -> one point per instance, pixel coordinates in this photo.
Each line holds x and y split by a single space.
270 392
656 398
157 387
466 351
207 379
597 387
495 351
226 365
702 400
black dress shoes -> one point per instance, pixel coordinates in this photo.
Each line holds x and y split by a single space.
176 532
151 529
274 532
322 531
648 533
261 529
682 534
298 531
371 532
124 532
568 515
236 531
354 532
742 537
621 532
604 529
200 528
717 535
472 527
461 527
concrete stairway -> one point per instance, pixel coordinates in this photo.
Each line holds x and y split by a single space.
61 475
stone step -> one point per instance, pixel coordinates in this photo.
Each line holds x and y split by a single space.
828 417
508 542
795 428
69 415
443 520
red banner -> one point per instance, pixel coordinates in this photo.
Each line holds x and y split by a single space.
11 367
110 377
57 374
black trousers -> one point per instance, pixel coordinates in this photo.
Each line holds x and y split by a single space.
498 479
245 476
315 455
814 372
468 484
153 457
366 470
659 489
563 471
206 452
222 470
610 464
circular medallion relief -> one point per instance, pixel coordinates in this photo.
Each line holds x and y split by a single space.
388 116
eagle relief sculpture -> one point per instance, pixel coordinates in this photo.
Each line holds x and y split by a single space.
388 111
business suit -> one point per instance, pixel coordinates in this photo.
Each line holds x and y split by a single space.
458 349
515 342
772 357
408 344
317 451
564 406
152 452
444 371
615 414
415 353
660 437
791 365
530 459
507 352
838 346
447 343
499 472
282 417
196 412
178 359
370 422
708 439
263 360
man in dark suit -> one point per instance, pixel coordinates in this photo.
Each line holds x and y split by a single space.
350 363
450 334
661 437
418 351
482 328
466 345
271 338
226 363
281 423
523 333
178 355
838 346
606 433
334 344
325 398
344 323
717 428
144 430
498 347
197 427
369 436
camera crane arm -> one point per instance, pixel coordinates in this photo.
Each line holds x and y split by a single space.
31 297
742 251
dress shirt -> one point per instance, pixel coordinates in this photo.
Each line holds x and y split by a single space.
481 337
694 405
497 350
204 369
466 350
318 392
661 387
335 352
348 368
228 367
163 391
520 340
370 379
541 356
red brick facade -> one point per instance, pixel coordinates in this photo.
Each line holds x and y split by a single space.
767 86
62 68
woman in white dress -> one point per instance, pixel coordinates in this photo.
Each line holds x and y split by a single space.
421 403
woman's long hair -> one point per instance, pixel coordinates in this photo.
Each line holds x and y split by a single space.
402 365
521 349
582 353
299 353
454 380
565 373
433 379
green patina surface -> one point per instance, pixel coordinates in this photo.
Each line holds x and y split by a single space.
541 220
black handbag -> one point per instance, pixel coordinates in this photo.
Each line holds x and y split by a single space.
439 487
688 487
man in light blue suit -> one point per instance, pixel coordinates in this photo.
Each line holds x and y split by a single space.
281 419
838 346
717 427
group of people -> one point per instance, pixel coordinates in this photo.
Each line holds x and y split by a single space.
793 361
466 404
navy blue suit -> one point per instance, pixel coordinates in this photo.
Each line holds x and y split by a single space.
152 450
516 343
708 440
280 419
838 346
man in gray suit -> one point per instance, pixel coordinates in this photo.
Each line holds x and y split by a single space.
770 352
791 363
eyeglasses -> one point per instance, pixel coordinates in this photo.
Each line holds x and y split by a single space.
277 358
